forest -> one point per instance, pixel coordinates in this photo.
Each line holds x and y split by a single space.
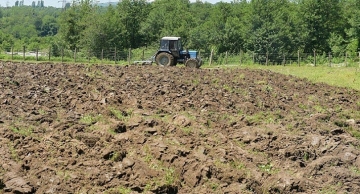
260 26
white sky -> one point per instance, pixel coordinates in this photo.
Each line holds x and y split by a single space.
58 3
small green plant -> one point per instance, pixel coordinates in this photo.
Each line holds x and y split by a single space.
90 119
186 130
121 115
22 130
170 176
355 170
268 168
214 186
118 190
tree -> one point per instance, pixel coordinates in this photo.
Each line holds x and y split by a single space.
320 18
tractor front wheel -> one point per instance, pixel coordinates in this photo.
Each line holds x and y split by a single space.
164 59
192 63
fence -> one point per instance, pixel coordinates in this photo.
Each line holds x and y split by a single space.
117 56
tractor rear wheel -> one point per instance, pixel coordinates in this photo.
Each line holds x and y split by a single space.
164 59
192 63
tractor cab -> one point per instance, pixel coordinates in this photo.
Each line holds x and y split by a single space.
172 45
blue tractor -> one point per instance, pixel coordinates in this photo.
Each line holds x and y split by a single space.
171 53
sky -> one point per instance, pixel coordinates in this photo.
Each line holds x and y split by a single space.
58 3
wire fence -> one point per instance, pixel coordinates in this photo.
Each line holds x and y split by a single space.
212 58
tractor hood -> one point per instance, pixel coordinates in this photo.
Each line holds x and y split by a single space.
192 53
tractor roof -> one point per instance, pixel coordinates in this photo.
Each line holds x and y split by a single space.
170 38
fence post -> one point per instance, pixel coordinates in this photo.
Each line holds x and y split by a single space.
62 55
211 56
330 59
226 58
345 59
143 55
129 56
102 55
299 58
359 59
75 56
12 52
314 57
284 60
253 57
240 56
23 53
267 58
115 55
49 52
37 54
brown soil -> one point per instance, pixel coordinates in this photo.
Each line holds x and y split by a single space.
149 129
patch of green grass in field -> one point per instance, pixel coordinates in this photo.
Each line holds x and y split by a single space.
89 119
25 131
337 76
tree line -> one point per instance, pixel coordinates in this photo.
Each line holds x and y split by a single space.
260 26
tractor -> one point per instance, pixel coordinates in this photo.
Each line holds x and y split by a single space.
171 53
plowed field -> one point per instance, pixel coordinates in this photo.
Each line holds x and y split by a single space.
148 129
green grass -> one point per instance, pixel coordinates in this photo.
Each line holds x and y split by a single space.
90 119
22 130
337 76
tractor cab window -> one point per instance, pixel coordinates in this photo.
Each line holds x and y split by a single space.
173 45
179 45
164 44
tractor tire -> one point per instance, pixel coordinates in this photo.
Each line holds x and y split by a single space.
165 59
192 63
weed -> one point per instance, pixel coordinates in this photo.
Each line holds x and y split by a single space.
42 112
122 115
355 170
214 186
186 130
119 190
237 165
328 190
170 176
268 168
90 119
22 131
319 109
355 133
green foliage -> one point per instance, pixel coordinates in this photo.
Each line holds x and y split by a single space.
260 26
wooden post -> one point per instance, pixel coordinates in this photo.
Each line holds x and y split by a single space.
267 58
75 56
330 59
102 55
240 56
284 59
253 57
37 54
23 53
62 55
359 59
226 58
143 55
129 56
49 53
345 59
115 55
299 58
211 56
12 52
314 57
